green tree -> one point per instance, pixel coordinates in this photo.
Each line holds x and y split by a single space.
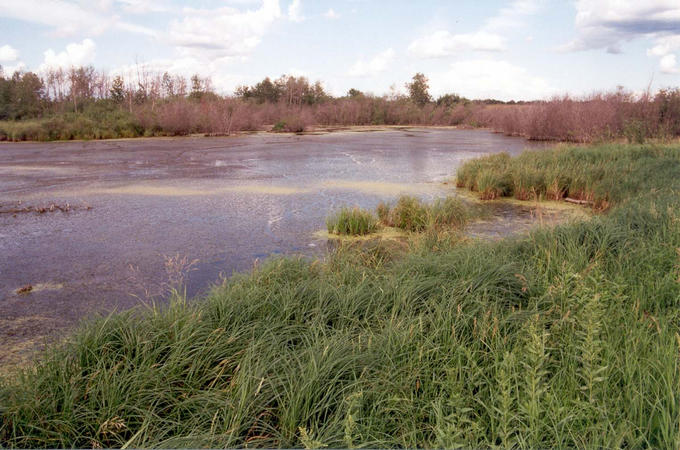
117 90
449 100
21 96
197 90
266 91
418 89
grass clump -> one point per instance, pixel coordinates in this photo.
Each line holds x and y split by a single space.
566 337
409 214
352 222
412 214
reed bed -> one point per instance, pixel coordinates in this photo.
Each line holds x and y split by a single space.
567 337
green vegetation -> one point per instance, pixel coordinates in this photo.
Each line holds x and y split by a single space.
566 337
89 125
411 214
352 221
601 175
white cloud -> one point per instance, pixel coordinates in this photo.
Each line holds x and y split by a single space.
486 78
223 31
513 15
9 70
489 38
442 43
295 11
8 54
609 23
377 64
668 64
68 18
75 55
331 14
143 6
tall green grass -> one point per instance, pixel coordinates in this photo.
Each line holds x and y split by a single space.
408 214
602 175
566 337
351 221
412 214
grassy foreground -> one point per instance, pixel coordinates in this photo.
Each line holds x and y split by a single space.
567 337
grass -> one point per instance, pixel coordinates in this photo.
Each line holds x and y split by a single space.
409 214
599 175
566 337
412 214
351 221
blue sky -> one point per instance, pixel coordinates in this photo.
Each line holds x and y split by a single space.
522 49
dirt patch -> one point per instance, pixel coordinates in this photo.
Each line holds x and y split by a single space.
22 337
386 233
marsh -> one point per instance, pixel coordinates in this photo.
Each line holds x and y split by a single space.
142 210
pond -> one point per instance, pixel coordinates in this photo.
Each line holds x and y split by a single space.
103 225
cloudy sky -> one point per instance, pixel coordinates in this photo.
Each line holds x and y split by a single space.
520 49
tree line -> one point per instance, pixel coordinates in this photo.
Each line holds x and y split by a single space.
25 95
83 103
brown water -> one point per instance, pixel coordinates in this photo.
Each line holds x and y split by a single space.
131 205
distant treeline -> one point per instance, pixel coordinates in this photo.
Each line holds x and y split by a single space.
83 103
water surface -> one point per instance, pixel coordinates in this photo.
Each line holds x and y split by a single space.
131 206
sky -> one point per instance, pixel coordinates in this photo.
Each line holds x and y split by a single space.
518 49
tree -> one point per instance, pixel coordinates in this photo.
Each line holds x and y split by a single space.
118 90
140 94
168 84
449 100
418 89
266 91
21 96
354 93
196 87
81 82
243 91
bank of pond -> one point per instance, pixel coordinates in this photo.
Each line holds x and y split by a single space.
566 336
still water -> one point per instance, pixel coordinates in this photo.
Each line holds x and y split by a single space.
117 213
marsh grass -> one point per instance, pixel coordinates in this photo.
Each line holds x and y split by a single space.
599 175
408 214
567 337
352 222
412 214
